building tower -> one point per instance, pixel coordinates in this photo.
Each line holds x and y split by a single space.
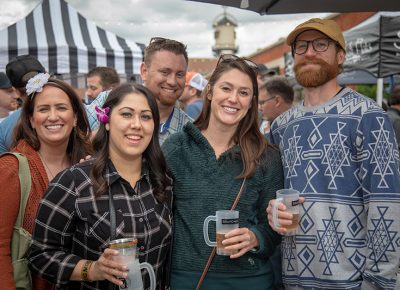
224 34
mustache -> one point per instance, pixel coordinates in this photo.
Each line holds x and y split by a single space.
311 61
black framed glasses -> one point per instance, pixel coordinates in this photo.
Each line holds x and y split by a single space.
232 57
262 102
318 44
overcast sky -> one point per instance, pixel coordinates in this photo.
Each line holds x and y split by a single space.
186 21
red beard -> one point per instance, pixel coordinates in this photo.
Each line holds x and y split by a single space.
312 78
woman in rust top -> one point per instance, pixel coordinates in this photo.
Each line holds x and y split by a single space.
53 134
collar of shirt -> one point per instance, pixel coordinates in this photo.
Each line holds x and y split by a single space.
179 119
165 126
91 111
113 176
196 135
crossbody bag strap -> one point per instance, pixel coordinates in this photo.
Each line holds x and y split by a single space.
25 181
235 203
24 175
214 250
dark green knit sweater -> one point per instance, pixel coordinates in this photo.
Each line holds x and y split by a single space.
204 184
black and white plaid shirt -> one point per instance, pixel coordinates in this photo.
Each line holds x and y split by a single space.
72 224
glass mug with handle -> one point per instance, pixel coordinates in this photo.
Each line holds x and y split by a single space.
226 220
290 198
127 254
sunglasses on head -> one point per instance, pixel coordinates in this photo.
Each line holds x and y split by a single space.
232 57
157 40
160 40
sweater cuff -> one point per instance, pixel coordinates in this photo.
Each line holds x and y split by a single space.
261 242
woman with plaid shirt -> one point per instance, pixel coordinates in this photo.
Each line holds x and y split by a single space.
72 231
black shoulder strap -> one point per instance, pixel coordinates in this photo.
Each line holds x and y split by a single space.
113 233
113 230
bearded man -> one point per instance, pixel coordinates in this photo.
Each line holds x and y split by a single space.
163 72
339 150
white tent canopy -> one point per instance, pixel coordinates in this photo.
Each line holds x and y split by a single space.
67 43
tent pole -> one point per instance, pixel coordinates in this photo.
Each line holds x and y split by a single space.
379 91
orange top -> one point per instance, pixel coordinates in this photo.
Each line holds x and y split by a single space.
9 206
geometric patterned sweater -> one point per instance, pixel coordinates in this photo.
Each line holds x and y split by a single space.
343 157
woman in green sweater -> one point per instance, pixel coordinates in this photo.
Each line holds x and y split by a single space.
209 160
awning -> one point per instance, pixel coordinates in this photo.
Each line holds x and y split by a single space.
67 43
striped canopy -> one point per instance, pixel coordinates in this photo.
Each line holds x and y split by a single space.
67 43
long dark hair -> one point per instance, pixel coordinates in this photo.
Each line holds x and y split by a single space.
153 154
247 135
79 144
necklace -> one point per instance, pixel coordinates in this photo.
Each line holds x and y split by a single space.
45 164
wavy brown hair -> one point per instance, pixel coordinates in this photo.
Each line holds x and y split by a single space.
153 154
79 144
248 136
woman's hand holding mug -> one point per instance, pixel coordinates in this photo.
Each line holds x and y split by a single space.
105 268
240 241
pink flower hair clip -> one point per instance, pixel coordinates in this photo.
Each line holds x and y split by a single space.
102 114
